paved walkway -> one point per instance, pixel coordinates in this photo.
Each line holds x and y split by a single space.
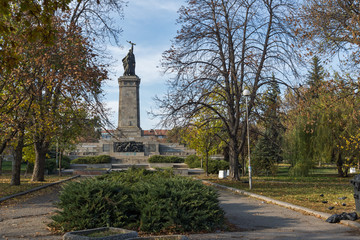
259 220
254 219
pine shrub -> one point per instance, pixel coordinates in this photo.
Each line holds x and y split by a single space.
94 203
153 202
193 161
177 205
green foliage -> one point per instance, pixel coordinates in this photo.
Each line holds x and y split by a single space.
165 159
65 162
267 151
177 204
135 175
92 160
94 203
193 161
216 165
264 158
139 199
50 165
301 168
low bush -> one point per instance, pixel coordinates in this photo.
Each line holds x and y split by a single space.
65 162
152 202
193 161
177 205
92 160
103 159
50 165
94 203
215 165
165 159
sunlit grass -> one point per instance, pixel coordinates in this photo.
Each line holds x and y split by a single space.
302 191
25 184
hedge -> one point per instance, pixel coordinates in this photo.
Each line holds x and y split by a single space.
214 166
92 160
165 159
151 202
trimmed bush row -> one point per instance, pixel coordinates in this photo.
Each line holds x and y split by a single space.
165 159
139 200
92 160
214 166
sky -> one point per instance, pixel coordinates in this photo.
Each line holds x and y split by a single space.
151 25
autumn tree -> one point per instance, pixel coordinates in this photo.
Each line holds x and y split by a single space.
318 129
204 136
223 47
330 25
69 80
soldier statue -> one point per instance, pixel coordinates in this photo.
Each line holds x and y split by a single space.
129 61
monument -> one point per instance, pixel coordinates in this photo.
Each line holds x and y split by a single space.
129 103
128 144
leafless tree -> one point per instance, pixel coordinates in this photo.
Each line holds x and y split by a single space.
223 47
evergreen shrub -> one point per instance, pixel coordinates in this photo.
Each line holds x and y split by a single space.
193 161
215 165
165 159
177 205
138 199
94 203
92 160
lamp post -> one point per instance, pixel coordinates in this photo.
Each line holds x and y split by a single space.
246 93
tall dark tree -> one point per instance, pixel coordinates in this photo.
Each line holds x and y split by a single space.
316 73
223 47
267 150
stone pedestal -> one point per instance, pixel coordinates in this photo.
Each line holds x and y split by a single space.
129 107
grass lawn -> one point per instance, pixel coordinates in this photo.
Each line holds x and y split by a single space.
6 189
302 191
7 165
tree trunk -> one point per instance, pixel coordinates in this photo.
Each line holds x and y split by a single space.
207 163
339 165
243 163
41 149
1 160
16 165
234 160
60 157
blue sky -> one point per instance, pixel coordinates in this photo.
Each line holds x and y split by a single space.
151 24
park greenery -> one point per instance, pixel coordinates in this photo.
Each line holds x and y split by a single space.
300 112
92 160
165 159
51 72
150 202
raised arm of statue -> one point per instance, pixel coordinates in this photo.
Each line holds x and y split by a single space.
129 61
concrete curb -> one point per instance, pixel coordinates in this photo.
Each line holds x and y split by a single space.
283 204
36 189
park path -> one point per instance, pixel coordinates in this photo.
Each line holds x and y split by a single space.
27 218
256 219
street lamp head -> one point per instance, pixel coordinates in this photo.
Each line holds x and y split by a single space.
246 93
